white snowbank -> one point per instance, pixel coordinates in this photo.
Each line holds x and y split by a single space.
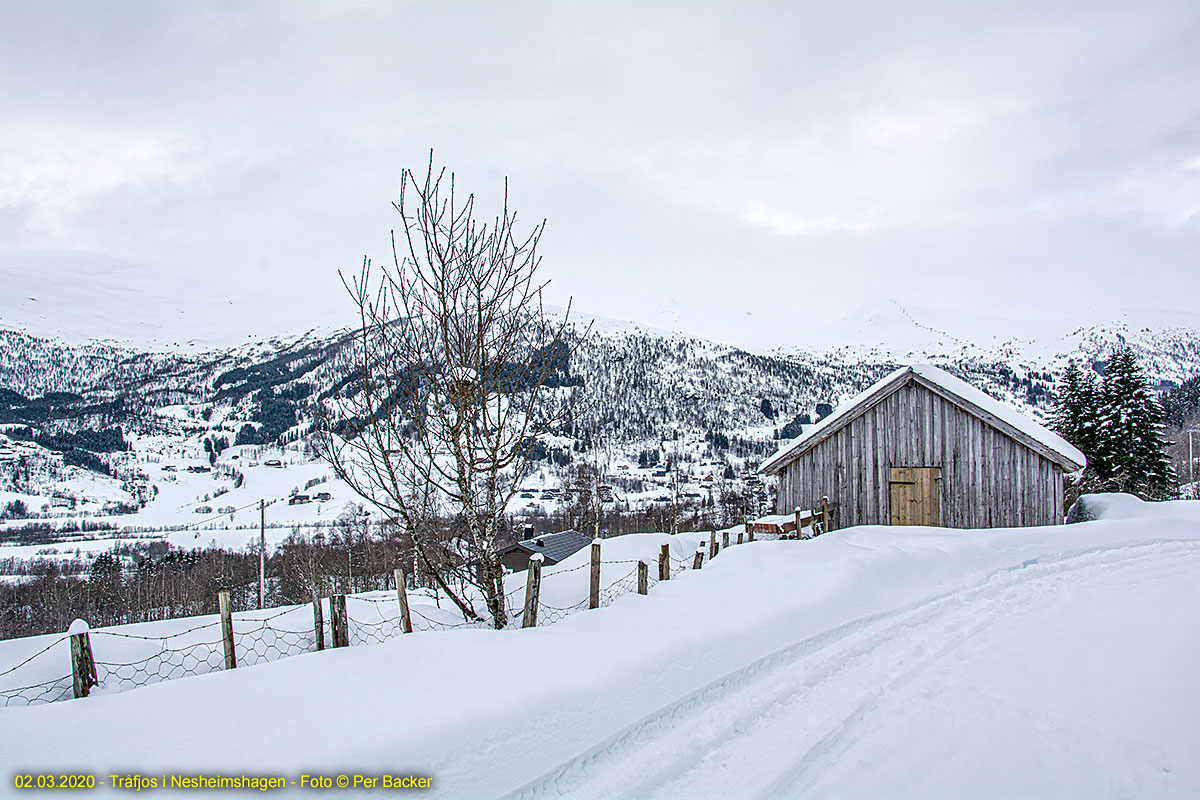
1116 505
871 661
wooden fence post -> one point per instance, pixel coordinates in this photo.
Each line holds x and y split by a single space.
712 545
594 593
83 666
533 589
698 561
749 531
799 530
824 514
227 629
402 596
741 535
318 621
664 563
643 577
724 540
338 627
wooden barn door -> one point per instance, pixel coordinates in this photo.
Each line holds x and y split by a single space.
915 495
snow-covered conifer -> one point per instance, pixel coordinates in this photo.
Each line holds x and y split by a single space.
1129 449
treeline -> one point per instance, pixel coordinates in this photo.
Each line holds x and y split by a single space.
34 533
144 582
1181 404
177 583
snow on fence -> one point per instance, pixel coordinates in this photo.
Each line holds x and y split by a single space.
81 661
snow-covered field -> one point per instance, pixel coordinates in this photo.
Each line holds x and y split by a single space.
873 661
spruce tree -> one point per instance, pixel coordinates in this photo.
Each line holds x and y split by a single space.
1118 426
1129 449
1076 407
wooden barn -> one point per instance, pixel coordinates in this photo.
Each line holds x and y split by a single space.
922 447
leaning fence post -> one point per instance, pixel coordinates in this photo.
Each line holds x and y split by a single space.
338 628
83 666
643 577
402 596
664 563
749 531
594 593
533 588
724 540
227 629
698 561
318 621
712 545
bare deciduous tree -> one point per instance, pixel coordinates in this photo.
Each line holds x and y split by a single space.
455 362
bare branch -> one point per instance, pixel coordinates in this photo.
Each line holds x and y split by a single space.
449 386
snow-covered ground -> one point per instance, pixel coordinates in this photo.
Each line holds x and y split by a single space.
873 661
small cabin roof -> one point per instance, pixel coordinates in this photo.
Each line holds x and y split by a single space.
955 390
556 546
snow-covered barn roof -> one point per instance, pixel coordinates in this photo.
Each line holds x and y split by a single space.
956 391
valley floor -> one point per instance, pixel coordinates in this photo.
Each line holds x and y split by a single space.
869 662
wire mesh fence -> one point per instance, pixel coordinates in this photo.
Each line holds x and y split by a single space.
168 663
271 638
46 692
43 691
290 631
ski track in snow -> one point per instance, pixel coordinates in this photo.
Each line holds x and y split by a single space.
788 716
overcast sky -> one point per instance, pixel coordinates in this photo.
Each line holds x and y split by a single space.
708 167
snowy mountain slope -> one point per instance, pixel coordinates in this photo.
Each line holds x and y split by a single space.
646 390
1039 661
1165 340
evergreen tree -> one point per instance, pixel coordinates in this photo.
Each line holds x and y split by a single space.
1129 432
104 588
1076 408
1118 426
1181 404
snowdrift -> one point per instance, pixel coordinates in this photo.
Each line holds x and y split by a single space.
872 661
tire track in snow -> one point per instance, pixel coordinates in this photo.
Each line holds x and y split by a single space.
793 711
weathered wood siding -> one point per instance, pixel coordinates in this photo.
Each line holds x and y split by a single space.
988 479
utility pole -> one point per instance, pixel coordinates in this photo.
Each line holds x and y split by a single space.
1191 457
262 552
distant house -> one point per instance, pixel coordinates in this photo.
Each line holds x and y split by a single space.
298 499
274 462
322 497
922 447
554 547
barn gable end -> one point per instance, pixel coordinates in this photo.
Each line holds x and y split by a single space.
992 467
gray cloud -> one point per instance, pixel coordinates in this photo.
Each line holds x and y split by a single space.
716 162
